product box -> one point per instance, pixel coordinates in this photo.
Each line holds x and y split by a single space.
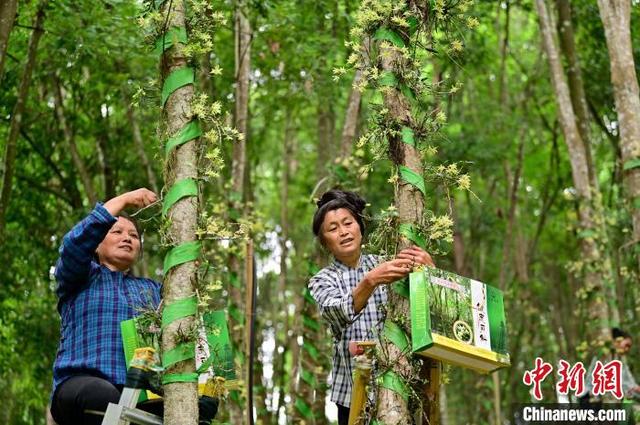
458 320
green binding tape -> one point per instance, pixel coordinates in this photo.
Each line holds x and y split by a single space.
183 253
310 323
313 351
631 164
180 189
420 317
390 35
391 381
189 132
178 78
394 334
219 345
408 92
236 314
388 79
171 378
411 232
304 409
309 378
413 178
178 354
234 280
497 320
170 38
178 309
408 136
308 297
401 288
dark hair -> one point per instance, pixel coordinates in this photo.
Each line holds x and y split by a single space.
336 199
619 333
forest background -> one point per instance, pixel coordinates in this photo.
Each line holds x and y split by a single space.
79 113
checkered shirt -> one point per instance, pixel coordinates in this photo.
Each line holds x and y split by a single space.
92 301
332 288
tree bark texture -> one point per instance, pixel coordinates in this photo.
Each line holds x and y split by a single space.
69 138
616 15
594 270
409 201
8 10
11 146
181 398
350 126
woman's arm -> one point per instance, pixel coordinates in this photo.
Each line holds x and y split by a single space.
387 272
79 245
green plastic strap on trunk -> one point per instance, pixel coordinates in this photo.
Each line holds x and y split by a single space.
411 232
189 132
413 178
313 351
309 378
235 314
394 334
234 280
178 78
401 288
389 35
183 253
631 164
219 345
408 136
408 92
308 297
391 381
171 378
169 38
178 354
388 79
304 408
178 309
310 323
180 189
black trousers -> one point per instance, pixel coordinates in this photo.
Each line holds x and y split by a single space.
343 414
76 401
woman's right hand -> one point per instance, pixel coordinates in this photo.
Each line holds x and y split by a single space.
389 271
138 198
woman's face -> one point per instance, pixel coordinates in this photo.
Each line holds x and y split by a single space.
341 234
119 249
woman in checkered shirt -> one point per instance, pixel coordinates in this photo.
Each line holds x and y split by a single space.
352 289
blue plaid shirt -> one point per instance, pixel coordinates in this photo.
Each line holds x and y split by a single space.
92 301
332 288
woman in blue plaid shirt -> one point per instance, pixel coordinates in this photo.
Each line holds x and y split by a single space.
351 291
96 291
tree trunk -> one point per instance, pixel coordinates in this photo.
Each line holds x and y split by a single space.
180 398
576 86
409 201
7 16
69 138
595 276
139 143
351 117
616 17
11 145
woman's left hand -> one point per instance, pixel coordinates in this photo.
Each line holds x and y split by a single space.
417 255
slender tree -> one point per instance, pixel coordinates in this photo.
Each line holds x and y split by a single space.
7 16
616 18
11 146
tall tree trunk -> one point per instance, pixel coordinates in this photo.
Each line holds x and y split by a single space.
351 117
180 398
595 276
69 138
409 202
139 143
7 17
576 86
616 15
239 163
11 145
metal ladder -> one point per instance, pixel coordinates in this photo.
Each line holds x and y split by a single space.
125 412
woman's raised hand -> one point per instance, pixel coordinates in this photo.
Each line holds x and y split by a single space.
138 198
417 256
389 271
